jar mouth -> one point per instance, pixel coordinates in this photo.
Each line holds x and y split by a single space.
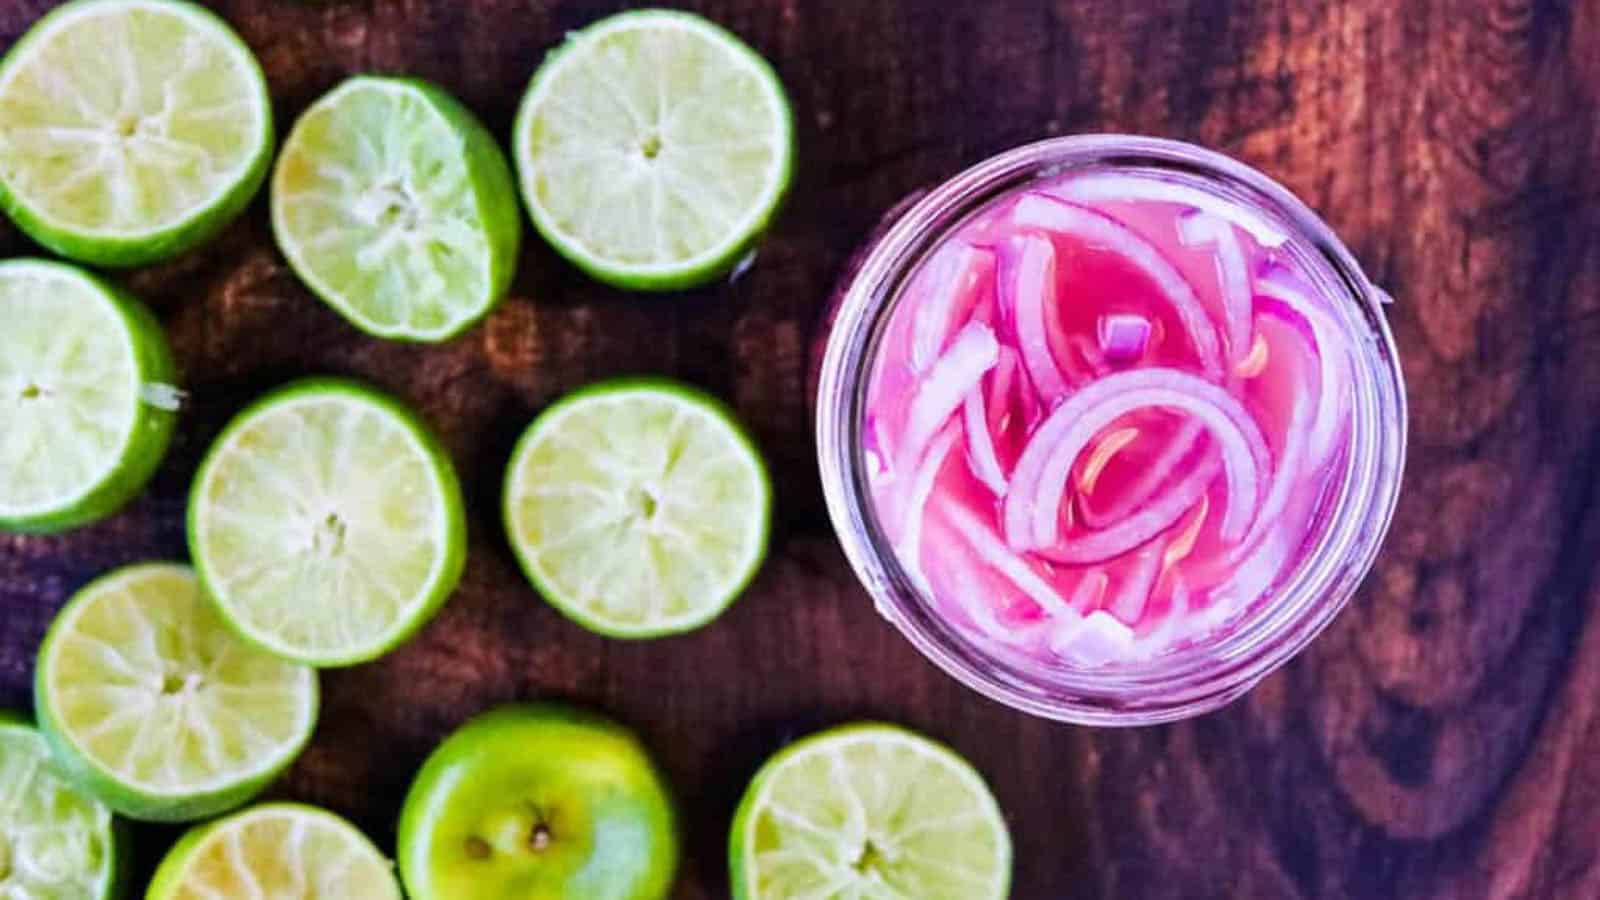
1214 670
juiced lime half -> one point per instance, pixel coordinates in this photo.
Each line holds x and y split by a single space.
326 522
154 705
654 148
134 129
282 851
396 206
541 801
638 508
873 812
86 399
57 842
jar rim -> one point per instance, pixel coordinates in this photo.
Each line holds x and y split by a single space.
1218 669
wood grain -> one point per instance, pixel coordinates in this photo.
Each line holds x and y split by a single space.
1439 742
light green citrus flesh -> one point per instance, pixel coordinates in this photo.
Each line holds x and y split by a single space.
135 129
327 523
873 812
56 841
653 149
396 206
275 850
80 432
638 508
539 801
154 705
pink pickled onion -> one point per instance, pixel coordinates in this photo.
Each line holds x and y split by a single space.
1295 440
1137 583
980 444
1097 640
1005 371
958 273
1090 226
1158 473
973 352
1331 357
1112 188
1028 295
1033 506
1123 336
1201 229
914 509
997 556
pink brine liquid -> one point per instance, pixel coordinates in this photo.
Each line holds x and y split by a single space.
1106 418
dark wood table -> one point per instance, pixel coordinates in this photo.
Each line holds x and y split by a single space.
1439 741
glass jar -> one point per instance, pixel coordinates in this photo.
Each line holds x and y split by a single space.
1192 679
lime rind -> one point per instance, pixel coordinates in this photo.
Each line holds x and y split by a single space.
475 213
309 852
92 862
835 848
118 247
721 427
145 430
446 543
737 237
132 681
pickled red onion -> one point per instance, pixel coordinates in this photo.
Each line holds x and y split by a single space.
1027 294
1123 336
957 275
1109 188
1033 505
973 352
980 444
994 553
1331 355
1200 229
1096 228
1137 583
914 508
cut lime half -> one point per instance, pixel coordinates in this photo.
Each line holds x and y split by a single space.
154 705
85 380
397 208
134 129
326 522
57 842
638 508
276 850
873 812
654 148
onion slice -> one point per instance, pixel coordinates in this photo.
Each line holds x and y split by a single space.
957 274
1028 296
1331 357
1096 188
980 444
1033 506
973 352
1123 336
915 506
998 557
1137 584
1092 227
1202 229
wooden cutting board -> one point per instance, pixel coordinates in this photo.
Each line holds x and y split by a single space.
1439 741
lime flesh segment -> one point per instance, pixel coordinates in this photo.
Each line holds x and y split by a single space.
275 850
56 841
327 523
396 206
78 359
151 702
653 149
135 129
873 812
638 508
542 801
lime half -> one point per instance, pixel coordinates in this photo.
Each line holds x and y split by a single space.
396 206
153 704
543 801
654 148
277 850
134 129
638 508
869 811
326 522
56 842
85 415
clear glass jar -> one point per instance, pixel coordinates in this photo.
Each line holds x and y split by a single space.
1191 680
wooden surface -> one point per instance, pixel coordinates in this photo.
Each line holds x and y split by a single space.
1440 741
